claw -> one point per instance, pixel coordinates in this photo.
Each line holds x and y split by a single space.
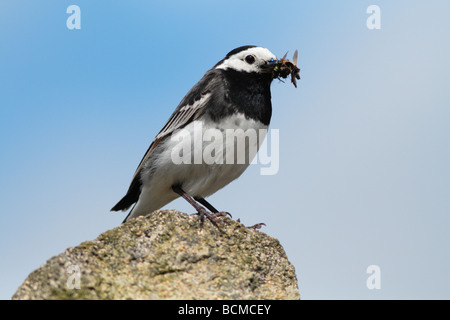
256 226
211 216
222 214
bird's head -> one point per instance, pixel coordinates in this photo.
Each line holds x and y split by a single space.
251 59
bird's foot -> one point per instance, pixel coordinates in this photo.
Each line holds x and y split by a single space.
254 227
222 214
213 217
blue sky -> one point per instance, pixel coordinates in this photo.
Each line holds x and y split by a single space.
364 173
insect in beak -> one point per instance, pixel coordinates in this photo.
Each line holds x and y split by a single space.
284 68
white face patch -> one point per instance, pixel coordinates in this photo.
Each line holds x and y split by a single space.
239 62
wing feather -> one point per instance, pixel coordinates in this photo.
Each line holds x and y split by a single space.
190 108
179 119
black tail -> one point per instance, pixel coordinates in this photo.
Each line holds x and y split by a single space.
131 197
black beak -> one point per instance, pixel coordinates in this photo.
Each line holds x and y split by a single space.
269 65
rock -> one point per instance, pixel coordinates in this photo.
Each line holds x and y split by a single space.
168 255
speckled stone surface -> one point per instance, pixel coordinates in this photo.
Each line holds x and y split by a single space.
168 255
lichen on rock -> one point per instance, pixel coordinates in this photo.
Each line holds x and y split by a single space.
168 255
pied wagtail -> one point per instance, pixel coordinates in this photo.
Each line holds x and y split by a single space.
234 94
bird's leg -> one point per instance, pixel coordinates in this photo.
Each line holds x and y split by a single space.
211 208
200 210
206 204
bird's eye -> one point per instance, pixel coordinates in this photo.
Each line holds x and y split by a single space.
250 59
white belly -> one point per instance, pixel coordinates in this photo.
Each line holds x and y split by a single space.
201 158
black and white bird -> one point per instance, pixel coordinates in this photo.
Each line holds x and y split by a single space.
234 94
